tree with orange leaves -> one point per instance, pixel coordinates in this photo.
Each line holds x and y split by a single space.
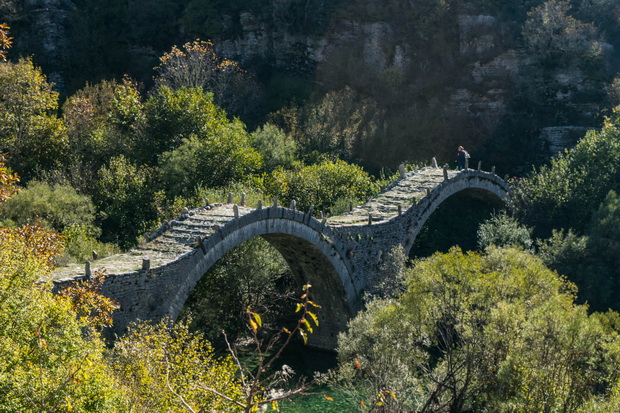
5 41
7 181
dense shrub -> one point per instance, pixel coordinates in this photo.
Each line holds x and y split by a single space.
320 184
503 230
496 332
54 205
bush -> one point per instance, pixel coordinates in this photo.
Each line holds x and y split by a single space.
495 332
321 185
54 205
79 244
164 365
502 230
210 160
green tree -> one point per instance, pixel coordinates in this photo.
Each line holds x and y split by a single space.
570 194
502 230
47 362
276 147
210 161
344 124
566 193
320 184
555 37
200 19
207 149
126 201
494 332
591 260
173 116
29 128
103 121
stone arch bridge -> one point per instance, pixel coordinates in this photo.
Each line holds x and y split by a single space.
340 256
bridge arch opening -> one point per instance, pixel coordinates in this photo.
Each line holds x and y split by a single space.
253 274
310 259
455 222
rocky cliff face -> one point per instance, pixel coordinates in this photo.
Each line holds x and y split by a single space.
465 76
46 35
486 73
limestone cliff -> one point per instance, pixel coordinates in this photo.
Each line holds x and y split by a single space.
442 77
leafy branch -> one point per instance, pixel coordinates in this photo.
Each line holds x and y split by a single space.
257 389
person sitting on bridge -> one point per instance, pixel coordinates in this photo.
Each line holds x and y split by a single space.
461 158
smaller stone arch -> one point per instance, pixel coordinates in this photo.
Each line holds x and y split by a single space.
477 183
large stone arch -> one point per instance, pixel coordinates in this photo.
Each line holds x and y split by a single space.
341 258
306 246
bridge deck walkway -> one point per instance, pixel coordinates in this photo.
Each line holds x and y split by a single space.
179 236
402 192
176 238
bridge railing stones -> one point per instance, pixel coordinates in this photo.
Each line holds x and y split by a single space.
429 192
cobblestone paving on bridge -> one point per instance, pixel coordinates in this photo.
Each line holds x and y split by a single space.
178 239
180 236
402 192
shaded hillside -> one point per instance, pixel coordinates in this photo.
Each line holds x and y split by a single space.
421 77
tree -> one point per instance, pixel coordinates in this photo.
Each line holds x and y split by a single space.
344 124
197 65
590 260
47 363
200 18
258 382
164 364
493 332
125 197
205 148
211 161
320 184
169 368
173 116
275 146
29 128
556 37
566 193
502 230
103 121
